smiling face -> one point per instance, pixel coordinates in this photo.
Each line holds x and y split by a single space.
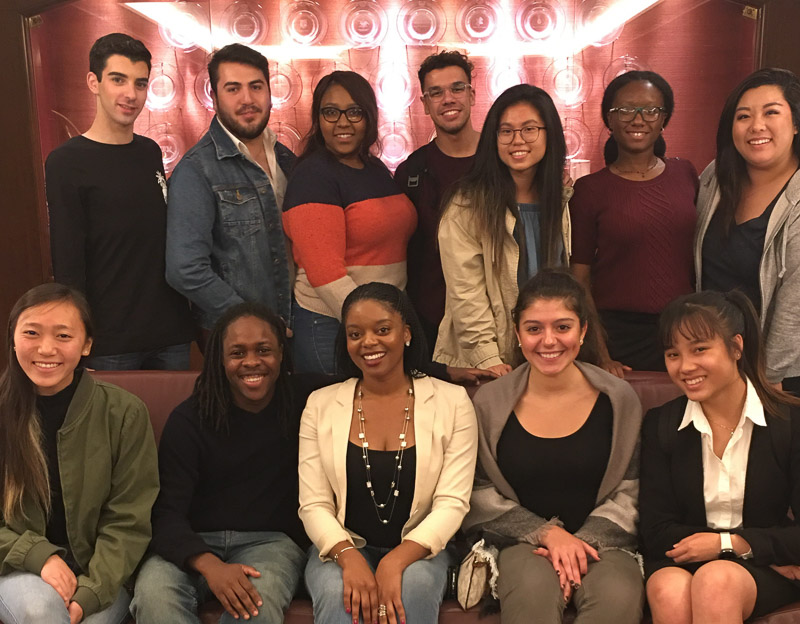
636 136
376 337
550 335
49 340
242 100
122 92
763 129
344 137
704 368
252 357
451 113
521 157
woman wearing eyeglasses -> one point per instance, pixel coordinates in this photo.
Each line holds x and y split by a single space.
506 219
633 223
347 220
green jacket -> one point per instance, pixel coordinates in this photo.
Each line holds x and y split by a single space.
109 478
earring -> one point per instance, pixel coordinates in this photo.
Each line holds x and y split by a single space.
581 340
519 344
408 343
738 355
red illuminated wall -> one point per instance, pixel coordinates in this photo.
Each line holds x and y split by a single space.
702 48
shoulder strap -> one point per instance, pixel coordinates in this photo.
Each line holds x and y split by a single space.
416 168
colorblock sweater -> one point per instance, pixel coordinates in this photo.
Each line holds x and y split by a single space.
347 227
495 506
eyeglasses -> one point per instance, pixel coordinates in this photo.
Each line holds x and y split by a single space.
628 113
529 134
331 114
457 89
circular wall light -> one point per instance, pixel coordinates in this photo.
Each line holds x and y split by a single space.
304 23
363 24
421 22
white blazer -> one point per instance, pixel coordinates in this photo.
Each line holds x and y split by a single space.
446 433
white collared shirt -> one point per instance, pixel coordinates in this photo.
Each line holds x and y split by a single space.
275 174
724 478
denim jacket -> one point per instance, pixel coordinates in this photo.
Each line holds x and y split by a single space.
225 241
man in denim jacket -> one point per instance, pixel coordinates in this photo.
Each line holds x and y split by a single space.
225 242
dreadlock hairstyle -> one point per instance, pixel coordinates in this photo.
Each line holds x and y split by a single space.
706 314
415 357
23 465
559 284
212 389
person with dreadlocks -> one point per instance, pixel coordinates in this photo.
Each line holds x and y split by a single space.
225 523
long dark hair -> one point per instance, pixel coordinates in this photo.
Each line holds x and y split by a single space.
212 389
706 314
488 189
363 95
555 283
611 150
415 356
23 465
731 169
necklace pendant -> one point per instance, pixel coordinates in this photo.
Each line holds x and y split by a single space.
385 521
381 505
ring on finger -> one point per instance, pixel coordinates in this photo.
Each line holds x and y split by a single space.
382 610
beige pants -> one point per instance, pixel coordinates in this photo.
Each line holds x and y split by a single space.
612 591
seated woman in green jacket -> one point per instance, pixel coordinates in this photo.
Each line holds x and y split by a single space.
79 473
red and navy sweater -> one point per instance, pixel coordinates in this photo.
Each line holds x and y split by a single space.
347 227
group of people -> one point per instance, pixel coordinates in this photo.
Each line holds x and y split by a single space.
316 360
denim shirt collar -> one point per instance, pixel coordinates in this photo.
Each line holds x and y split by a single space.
223 143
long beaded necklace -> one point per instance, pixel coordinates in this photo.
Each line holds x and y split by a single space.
394 492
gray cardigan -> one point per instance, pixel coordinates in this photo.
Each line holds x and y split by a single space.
779 272
494 505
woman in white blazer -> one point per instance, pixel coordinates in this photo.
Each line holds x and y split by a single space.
387 460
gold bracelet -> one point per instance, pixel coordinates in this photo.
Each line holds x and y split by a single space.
336 556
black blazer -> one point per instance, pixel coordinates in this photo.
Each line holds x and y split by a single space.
671 503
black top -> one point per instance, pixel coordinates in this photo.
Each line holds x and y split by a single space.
426 177
243 480
108 231
360 515
734 261
52 412
558 476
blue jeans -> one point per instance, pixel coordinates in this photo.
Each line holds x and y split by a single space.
424 582
166 594
175 357
314 342
26 599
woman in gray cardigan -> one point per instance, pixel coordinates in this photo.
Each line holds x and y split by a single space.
557 479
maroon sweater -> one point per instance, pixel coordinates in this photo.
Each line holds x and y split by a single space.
636 236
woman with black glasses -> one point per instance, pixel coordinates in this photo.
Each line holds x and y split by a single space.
633 223
347 220
506 219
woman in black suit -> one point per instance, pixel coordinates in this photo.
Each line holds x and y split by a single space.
720 471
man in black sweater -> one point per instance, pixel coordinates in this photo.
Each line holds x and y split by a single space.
106 193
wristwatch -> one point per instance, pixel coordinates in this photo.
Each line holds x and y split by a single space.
726 550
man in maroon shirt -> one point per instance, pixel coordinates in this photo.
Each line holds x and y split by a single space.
427 175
